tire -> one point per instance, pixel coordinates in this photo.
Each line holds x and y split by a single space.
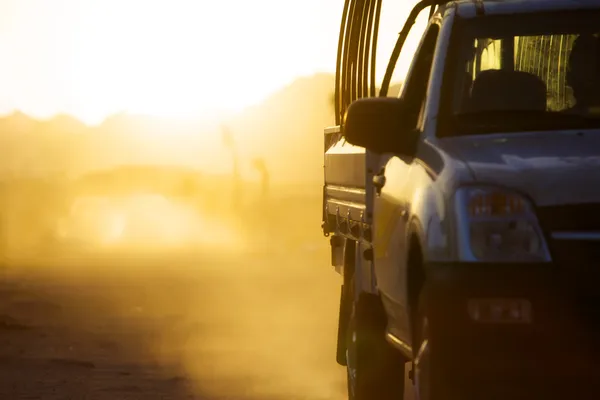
422 354
428 382
375 370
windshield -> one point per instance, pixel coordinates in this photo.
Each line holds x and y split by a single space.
527 73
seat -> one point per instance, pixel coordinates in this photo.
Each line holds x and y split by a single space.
497 90
465 95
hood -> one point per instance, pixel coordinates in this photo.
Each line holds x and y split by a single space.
551 167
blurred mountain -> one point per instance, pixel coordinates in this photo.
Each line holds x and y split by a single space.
394 90
17 123
285 131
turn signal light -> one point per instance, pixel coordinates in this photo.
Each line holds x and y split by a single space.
496 204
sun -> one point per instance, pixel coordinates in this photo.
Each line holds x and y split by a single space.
171 59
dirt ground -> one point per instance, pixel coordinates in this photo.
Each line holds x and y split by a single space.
221 325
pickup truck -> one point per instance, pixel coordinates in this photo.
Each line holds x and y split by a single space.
464 213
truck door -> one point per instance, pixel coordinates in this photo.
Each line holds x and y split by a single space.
394 189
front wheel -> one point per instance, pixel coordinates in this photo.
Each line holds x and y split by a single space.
429 383
375 369
422 360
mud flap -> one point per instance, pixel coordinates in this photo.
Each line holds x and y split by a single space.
342 327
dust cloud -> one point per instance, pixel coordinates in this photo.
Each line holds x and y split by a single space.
241 305
128 275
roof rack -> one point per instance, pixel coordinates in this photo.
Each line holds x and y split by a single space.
357 48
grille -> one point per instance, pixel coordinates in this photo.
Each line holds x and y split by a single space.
577 217
578 260
580 255
579 263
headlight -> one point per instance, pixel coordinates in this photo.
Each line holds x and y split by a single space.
496 225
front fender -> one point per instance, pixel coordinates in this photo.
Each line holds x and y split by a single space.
429 223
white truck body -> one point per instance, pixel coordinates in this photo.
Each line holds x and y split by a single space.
384 202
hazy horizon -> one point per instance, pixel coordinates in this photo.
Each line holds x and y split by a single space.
221 117
68 146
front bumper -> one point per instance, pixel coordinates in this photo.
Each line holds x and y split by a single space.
561 338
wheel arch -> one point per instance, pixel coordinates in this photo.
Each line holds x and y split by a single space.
415 273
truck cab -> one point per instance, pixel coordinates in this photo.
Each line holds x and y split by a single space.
464 214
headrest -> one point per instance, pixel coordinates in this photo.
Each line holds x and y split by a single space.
466 90
583 69
496 89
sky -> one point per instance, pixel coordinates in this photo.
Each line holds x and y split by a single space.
175 58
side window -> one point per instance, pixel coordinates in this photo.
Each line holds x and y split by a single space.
415 92
407 54
487 54
491 55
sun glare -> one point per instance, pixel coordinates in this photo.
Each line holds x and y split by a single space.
187 58
176 58
156 57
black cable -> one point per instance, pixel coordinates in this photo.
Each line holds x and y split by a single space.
354 50
340 53
361 48
373 85
346 60
367 48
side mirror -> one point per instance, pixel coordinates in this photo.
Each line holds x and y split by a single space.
376 124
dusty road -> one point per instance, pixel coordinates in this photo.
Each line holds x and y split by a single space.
221 325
